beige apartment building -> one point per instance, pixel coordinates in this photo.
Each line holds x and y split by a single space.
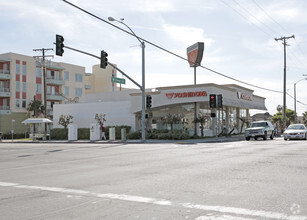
22 81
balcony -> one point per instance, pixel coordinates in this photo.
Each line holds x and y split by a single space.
5 110
87 86
5 74
54 96
5 92
54 81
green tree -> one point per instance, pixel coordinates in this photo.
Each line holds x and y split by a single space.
201 119
278 118
100 118
305 118
37 107
65 120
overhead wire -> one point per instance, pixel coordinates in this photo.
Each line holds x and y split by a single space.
285 30
265 32
168 51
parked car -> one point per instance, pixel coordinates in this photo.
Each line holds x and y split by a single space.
296 131
263 129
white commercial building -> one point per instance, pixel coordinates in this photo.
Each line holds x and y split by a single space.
124 108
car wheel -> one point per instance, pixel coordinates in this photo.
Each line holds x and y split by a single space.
247 138
285 139
265 136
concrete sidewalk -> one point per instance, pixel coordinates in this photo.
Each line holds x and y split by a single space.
150 141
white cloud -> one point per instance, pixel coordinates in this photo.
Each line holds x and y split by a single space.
187 35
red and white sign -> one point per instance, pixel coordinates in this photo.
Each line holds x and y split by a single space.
195 54
244 96
185 94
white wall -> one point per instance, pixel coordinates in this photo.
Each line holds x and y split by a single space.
117 113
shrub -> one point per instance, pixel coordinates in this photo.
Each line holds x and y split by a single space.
83 133
134 135
59 134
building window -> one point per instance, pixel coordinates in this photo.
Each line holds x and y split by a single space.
66 75
24 103
17 103
24 68
24 87
78 92
38 72
78 77
18 66
66 90
38 88
18 86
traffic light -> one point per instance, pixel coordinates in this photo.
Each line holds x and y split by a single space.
219 101
213 115
59 45
148 101
212 101
103 59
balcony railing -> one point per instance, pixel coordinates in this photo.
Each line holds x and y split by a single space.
5 92
54 96
4 107
55 80
4 89
5 74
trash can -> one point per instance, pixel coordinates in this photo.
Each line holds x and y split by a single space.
123 134
112 134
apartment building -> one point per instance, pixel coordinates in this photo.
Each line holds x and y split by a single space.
22 81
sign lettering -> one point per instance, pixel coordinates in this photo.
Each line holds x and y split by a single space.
185 94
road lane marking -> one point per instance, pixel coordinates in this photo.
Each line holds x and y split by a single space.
222 217
162 202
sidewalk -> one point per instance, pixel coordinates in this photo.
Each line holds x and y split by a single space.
150 141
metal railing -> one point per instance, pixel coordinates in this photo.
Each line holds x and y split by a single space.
2 71
4 89
4 107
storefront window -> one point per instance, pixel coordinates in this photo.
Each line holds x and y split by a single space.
179 117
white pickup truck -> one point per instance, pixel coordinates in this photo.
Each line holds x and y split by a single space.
263 129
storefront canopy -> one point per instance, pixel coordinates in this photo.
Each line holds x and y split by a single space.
36 121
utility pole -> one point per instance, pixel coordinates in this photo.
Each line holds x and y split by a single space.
284 42
43 50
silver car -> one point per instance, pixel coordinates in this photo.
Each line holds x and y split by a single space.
296 131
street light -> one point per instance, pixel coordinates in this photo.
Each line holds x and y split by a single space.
295 97
143 74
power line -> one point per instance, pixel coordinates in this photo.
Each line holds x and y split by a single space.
267 14
284 29
172 53
185 59
256 18
247 19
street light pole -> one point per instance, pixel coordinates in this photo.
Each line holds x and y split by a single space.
143 75
295 97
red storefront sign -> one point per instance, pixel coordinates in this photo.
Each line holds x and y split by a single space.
185 94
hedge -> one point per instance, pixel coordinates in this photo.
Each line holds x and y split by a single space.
84 133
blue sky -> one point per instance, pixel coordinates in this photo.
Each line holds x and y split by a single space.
238 37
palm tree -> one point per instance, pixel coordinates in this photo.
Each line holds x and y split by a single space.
37 107
201 120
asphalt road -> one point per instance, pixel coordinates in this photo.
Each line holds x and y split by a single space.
205 181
